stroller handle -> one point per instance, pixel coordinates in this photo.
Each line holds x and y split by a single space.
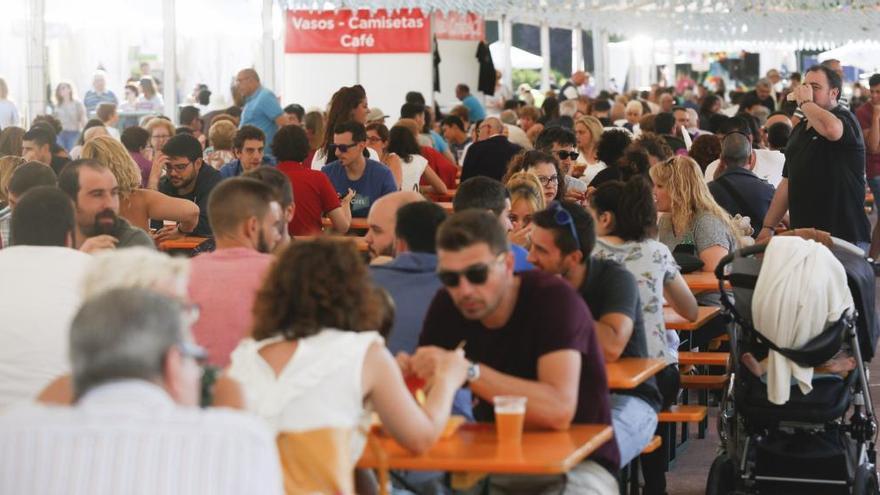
746 251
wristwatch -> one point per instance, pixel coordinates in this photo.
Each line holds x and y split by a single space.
473 372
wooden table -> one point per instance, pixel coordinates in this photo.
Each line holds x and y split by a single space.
356 224
474 448
629 373
184 243
360 242
702 281
674 321
428 191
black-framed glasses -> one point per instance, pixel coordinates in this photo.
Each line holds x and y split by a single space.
562 154
562 218
343 148
475 274
546 181
177 167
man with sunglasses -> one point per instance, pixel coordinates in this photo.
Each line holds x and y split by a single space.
352 172
563 238
527 334
562 143
136 424
187 177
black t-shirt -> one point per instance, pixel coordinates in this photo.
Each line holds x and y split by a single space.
549 316
755 195
826 180
206 180
611 288
607 174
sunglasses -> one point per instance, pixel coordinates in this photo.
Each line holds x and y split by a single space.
563 218
568 154
343 148
475 274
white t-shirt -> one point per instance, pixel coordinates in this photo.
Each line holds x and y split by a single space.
39 295
320 158
518 136
768 166
8 114
320 387
412 172
591 169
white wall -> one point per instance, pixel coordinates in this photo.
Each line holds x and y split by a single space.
458 64
311 79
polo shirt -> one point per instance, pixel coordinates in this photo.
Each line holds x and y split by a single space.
313 195
376 181
826 180
260 110
755 195
872 160
476 112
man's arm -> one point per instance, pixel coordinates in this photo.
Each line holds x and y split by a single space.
872 134
777 210
552 399
613 331
825 122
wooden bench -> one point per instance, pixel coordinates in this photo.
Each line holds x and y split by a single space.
674 321
703 358
703 382
653 445
683 414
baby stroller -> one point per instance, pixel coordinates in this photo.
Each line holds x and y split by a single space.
822 442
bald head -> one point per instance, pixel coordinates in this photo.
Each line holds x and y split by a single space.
579 78
489 127
382 220
735 150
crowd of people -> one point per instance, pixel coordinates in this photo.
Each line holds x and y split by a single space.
572 224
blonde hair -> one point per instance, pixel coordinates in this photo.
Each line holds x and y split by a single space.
525 186
688 194
594 126
8 164
136 267
410 124
110 153
634 105
221 135
160 122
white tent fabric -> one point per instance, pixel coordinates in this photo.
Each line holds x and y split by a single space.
864 55
519 58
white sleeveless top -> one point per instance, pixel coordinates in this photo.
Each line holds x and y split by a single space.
320 159
412 172
319 387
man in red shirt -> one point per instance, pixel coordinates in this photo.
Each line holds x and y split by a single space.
314 194
869 120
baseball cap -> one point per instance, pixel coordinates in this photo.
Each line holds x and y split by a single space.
376 114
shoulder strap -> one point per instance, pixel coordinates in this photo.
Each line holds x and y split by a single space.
737 197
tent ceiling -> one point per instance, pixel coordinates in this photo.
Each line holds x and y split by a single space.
802 23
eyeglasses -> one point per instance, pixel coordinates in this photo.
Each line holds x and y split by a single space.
562 218
343 148
546 181
567 154
177 167
475 274
374 139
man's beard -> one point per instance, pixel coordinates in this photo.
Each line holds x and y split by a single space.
106 223
262 244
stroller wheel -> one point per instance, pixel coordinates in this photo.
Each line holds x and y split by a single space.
722 476
866 480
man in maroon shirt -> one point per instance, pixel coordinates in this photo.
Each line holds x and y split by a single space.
527 334
869 119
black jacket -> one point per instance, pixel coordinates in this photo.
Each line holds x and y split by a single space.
489 158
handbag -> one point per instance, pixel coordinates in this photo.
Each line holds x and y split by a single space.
685 256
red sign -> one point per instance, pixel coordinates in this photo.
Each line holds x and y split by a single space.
456 26
361 31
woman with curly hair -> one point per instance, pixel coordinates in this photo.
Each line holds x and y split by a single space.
138 205
546 169
526 197
690 218
655 146
314 359
610 152
705 150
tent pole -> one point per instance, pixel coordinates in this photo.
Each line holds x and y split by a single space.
577 50
545 56
36 59
599 68
268 77
169 32
506 41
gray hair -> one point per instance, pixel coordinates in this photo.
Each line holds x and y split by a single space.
508 117
122 334
735 150
568 108
136 267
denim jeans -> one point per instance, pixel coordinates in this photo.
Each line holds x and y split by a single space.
634 424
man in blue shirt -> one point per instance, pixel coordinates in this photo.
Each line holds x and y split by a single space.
99 93
248 146
261 108
476 112
485 193
369 180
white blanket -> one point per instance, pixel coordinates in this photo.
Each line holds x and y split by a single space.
800 290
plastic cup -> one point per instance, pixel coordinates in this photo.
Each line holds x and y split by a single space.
510 414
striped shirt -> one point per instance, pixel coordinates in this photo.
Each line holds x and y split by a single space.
130 437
